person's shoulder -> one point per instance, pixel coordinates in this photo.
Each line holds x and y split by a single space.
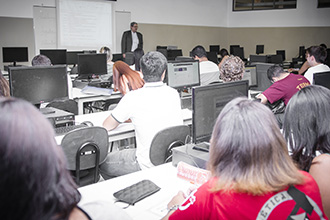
323 159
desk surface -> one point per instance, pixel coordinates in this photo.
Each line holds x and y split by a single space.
152 207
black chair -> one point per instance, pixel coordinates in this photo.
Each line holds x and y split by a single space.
212 56
322 79
276 59
165 140
85 149
68 105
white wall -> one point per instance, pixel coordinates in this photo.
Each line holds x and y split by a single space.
305 15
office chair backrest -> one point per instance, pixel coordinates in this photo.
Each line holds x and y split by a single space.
276 59
85 148
166 139
212 56
322 79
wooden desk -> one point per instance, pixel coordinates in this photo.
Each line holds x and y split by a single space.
152 207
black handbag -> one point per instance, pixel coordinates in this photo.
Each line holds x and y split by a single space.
277 107
136 192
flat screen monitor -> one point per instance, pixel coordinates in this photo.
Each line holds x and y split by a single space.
90 65
215 48
238 51
302 51
72 57
322 79
15 54
56 56
183 74
258 59
260 49
282 53
172 54
117 56
262 80
231 48
39 84
207 103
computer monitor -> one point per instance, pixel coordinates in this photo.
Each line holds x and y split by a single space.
322 79
15 54
276 59
212 56
56 56
231 48
172 54
302 51
207 103
282 53
215 48
92 64
72 57
258 58
117 56
260 49
39 84
263 82
238 51
183 74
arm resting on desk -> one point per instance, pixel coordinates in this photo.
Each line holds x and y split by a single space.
110 123
174 203
263 98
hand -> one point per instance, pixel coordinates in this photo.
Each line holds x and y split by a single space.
124 55
176 200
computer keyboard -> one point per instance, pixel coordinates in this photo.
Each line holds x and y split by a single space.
65 129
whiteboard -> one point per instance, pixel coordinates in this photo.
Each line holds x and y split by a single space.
44 24
84 24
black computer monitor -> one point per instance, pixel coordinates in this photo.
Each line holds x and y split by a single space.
231 48
183 74
15 54
56 56
207 103
263 82
258 58
260 49
72 57
215 48
276 59
172 54
238 51
212 56
302 51
282 53
90 65
39 84
322 79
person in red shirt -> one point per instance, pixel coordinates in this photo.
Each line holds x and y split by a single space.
253 176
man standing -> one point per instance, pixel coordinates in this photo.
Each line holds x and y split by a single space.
131 40
152 108
315 57
209 71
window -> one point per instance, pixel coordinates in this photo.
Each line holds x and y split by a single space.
243 5
323 3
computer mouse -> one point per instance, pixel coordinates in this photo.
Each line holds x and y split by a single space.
87 123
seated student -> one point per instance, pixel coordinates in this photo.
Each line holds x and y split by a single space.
209 71
232 69
152 108
35 183
308 134
108 52
4 86
125 79
315 57
284 86
223 55
253 176
42 60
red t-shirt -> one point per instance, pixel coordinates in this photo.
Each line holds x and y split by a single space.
204 204
285 88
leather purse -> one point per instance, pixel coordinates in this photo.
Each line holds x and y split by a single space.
136 192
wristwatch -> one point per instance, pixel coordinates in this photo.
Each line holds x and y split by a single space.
173 208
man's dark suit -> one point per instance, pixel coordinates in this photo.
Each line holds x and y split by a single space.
126 41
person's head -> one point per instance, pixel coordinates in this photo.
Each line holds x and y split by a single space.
223 52
124 76
198 52
35 183
306 124
138 53
275 72
4 86
316 55
323 45
41 60
232 69
153 66
134 26
248 153
107 51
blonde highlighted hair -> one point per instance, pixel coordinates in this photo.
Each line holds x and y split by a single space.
248 153
125 79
